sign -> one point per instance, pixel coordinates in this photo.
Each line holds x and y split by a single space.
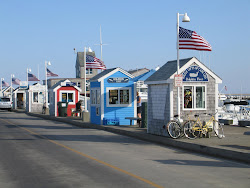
23 84
68 84
178 80
118 80
194 74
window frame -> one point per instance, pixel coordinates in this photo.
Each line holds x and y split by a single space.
194 96
119 98
68 91
95 100
38 98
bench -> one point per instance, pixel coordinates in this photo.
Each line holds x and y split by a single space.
74 112
133 118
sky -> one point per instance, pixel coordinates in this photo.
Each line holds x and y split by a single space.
139 34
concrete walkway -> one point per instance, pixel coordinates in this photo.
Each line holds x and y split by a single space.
235 146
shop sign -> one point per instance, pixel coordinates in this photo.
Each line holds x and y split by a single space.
194 74
118 80
178 80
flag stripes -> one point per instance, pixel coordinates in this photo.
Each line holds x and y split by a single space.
192 41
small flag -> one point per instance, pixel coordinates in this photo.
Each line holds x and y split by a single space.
32 77
94 63
16 81
5 84
192 41
51 74
226 88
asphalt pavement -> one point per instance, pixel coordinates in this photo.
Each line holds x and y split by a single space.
235 146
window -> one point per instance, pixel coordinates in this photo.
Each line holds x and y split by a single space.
89 71
95 96
118 97
194 97
113 96
67 96
124 96
38 97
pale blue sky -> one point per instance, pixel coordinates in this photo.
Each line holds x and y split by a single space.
140 33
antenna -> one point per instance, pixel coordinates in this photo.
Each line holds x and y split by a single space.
101 44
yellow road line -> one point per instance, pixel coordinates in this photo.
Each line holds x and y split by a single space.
89 157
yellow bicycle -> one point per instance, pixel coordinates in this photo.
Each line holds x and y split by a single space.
198 129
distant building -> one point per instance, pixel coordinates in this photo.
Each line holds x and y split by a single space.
79 80
138 72
80 66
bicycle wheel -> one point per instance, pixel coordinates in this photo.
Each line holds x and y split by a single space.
190 130
219 131
174 129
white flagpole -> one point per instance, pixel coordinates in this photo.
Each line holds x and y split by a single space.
85 100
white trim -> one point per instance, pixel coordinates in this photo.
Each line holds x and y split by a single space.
68 91
171 102
118 105
102 101
194 96
216 101
112 72
55 103
135 101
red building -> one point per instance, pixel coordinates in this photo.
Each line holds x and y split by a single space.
63 91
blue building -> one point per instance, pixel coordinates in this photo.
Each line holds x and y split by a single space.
113 97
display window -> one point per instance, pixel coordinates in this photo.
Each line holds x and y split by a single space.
38 97
194 97
118 97
67 96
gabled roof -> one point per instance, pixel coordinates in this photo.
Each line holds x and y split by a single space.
109 72
167 71
144 76
58 85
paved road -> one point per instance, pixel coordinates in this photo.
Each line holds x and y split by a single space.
43 153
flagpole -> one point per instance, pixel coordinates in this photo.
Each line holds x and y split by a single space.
11 90
46 84
2 86
178 66
185 19
85 100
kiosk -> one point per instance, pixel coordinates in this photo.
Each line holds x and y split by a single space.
35 98
113 97
198 93
64 91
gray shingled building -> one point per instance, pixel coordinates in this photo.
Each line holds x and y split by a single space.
198 93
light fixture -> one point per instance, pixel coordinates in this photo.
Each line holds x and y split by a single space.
185 18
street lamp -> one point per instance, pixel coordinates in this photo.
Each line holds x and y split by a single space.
2 79
47 63
11 90
185 19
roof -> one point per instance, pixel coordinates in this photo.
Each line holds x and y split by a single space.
58 84
108 72
101 74
144 76
167 70
138 72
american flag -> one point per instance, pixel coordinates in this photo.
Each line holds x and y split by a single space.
5 84
51 74
192 41
94 63
16 81
32 77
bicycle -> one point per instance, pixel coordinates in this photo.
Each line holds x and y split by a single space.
197 129
175 127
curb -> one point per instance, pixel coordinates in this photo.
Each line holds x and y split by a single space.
201 149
